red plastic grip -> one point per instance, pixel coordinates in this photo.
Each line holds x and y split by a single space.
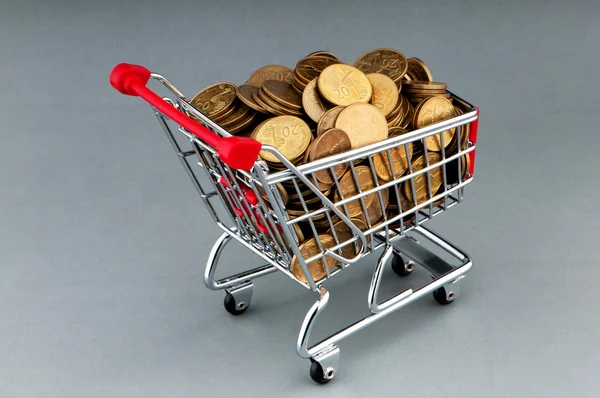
473 139
237 152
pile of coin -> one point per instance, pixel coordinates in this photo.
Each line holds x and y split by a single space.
325 107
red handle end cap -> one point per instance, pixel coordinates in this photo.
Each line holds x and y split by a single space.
123 75
239 152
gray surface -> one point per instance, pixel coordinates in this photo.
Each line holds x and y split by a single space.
102 239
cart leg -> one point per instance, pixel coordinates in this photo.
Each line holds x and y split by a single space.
238 287
324 361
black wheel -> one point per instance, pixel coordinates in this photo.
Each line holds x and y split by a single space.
232 307
441 297
317 373
400 267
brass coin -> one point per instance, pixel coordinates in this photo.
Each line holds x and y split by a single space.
316 268
230 110
312 102
363 123
327 121
215 100
310 68
374 209
418 69
398 106
384 60
349 189
385 92
426 85
299 233
277 106
239 114
329 143
283 93
289 134
421 186
280 189
256 97
270 72
245 92
344 234
244 124
431 111
399 159
325 54
342 84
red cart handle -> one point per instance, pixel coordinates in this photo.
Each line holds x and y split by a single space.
237 152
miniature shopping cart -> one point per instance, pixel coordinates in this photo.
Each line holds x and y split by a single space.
245 200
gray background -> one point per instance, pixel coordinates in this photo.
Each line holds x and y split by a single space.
103 239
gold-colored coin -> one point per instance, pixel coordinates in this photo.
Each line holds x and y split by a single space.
329 143
384 60
374 209
363 123
344 234
214 101
400 157
308 249
418 69
431 111
327 121
385 92
325 54
312 102
348 188
425 85
420 181
299 233
283 93
276 105
342 84
310 68
243 124
289 134
245 92
280 189
256 97
240 113
270 72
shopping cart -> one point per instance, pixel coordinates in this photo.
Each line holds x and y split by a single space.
246 201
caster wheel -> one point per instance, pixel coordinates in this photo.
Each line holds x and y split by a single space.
400 267
232 307
443 297
319 375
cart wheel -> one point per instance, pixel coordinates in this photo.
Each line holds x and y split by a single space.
443 296
232 307
400 267
318 374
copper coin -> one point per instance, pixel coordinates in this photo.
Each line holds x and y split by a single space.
417 68
384 60
329 143
215 100
283 93
349 188
270 72
310 68
327 120
313 105
310 248
245 92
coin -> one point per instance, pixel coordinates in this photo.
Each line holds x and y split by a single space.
425 85
276 105
434 110
215 100
283 93
325 54
245 92
385 92
363 123
288 134
343 233
384 60
400 157
243 124
420 181
270 72
256 97
327 120
374 209
348 188
418 69
310 68
240 113
330 143
299 233
342 84
308 249
280 189
312 102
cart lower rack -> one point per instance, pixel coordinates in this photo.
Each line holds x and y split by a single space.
247 202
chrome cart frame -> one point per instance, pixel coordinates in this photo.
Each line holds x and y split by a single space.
241 195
